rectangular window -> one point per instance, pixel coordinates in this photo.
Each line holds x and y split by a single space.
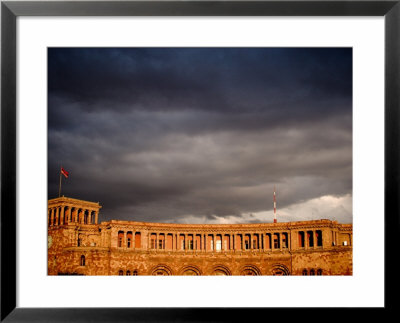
284 240
301 239
318 235
310 238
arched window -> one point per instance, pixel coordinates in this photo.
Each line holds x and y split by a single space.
129 240
134 273
121 273
137 240
312 272
319 272
128 273
82 260
304 272
120 238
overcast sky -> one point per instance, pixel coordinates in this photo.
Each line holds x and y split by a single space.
202 135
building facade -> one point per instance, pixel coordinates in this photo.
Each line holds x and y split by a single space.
79 245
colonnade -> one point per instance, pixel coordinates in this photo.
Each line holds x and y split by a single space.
65 214
206 242
210 242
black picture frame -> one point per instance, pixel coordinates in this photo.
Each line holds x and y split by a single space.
10 10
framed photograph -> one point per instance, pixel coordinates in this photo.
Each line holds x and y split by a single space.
194 140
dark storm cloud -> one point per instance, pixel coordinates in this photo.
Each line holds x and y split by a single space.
157 134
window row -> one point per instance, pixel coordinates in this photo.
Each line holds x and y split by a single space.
312 272
311 238
129 239
218 242
128 273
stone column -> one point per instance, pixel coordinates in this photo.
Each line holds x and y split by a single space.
315 238
263 238
198 247
214 242
305 240
62 215
156 242
57 215
68 215
89 216
51 217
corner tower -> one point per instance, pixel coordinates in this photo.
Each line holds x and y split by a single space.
65 210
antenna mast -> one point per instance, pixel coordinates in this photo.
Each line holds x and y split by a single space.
275 221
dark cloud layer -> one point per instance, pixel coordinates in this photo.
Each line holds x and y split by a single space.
160 134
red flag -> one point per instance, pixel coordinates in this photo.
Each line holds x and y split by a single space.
64 172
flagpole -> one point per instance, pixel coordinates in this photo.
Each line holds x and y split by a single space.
59 188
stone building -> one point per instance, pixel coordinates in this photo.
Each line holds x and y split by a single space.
79 245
